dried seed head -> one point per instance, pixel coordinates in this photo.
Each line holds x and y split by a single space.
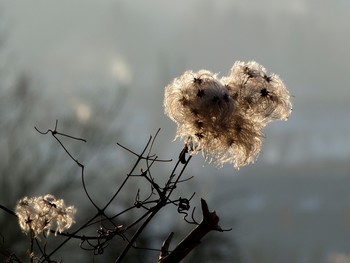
264 98
224 118
196 95
40 214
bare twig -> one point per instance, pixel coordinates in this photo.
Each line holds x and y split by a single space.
164 197
54 133
7 210
210 222
139 158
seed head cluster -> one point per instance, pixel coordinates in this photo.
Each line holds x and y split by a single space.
224 117
40 214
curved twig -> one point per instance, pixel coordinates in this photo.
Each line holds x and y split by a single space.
82 167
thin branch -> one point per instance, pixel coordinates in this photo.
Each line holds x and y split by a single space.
8 210
138 232
139 158
82 167
72 235
150 158
178 178
138 220
59 133
152 143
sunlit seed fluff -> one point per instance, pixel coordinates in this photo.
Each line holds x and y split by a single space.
207 118
237 142
197 97
223 118
41 214
263 97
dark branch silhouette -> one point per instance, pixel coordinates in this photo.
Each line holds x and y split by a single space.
107 225
210 222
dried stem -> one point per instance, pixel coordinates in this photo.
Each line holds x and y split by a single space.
164 197
209 223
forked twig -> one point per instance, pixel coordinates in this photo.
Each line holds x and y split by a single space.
54 133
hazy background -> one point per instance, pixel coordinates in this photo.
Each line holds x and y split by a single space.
100 67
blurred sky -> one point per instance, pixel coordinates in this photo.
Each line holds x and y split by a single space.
75 49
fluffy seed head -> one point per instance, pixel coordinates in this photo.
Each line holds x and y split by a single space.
264 98
224 117
40 214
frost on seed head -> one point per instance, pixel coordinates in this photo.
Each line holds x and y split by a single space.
223 118
40 214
